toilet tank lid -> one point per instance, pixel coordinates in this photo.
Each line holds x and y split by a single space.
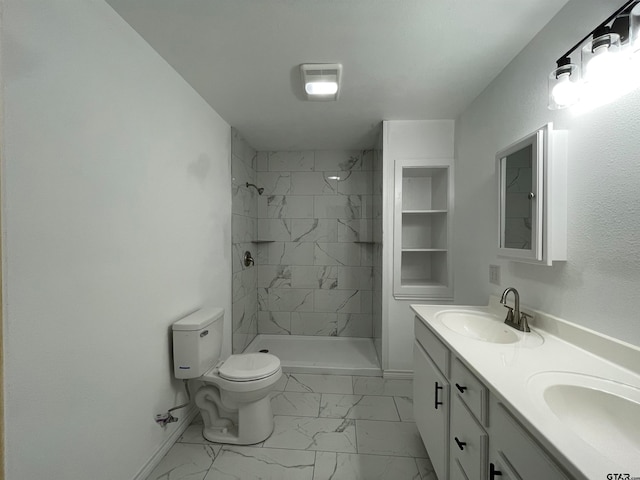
199 319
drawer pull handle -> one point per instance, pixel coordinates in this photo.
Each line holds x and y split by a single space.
493 473
461 445
460 388
436 402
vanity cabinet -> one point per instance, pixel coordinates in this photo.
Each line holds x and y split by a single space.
468 433
422 229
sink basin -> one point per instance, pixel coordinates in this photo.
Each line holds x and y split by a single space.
478 325
603 413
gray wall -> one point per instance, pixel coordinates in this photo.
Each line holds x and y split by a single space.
598 285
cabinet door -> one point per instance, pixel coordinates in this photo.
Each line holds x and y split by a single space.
513 450
431 410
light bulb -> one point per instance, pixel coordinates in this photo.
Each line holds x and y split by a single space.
565 92
601 65
321 88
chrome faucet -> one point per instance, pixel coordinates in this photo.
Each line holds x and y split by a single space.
515 319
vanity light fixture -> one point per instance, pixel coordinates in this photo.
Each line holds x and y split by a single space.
321 81
608 66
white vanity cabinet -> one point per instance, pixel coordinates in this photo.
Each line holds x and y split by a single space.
468 433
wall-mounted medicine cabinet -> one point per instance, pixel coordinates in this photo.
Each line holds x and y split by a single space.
533 198
422 229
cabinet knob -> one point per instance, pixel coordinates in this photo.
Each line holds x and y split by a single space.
460 388
461 445
531 196
493 473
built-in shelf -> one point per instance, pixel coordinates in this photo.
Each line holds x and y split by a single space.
422 260
424 250
417 212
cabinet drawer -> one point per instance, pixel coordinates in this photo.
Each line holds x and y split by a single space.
470 390
469 442
434 347
512 446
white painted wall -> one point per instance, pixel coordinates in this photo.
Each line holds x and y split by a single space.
599 284
116 222
403 140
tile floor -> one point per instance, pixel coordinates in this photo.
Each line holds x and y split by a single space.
334 427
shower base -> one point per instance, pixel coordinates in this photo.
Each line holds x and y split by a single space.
311 354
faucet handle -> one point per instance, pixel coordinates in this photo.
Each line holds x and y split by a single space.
524 321
510 316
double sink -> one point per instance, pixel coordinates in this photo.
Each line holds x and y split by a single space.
603 413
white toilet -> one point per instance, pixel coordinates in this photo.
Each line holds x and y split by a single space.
234 401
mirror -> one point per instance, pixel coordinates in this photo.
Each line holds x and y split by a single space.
520 167
532 175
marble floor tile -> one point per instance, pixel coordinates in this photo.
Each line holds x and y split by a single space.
389 438
193 434
405 408
426 469
282 383
382 386
347 466
249 463
306 433
297 404
304 382
185 462
363 407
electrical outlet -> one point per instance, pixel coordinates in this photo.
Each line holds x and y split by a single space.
494 274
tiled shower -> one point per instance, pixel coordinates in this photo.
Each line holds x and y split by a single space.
315 234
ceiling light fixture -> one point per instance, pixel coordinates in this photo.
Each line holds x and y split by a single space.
321 81
605 71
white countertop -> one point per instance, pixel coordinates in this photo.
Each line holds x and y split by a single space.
506 369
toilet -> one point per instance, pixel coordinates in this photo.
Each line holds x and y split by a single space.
234 399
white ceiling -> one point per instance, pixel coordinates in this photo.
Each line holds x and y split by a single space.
402 59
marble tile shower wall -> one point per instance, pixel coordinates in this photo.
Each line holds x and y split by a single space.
315 233
244 226
377 251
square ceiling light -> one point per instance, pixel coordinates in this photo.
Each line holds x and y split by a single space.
321 81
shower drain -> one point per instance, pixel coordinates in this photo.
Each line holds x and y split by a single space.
264 350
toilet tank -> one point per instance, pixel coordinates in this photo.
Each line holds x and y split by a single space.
197 342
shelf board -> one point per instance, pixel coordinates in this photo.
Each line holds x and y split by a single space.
425 250
262 241
417 212
421 283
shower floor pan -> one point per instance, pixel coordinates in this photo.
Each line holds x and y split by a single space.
322 355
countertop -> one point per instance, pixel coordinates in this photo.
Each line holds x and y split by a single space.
506 369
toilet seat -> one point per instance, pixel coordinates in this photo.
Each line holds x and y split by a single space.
248 367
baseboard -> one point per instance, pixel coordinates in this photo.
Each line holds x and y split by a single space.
168 443
398 374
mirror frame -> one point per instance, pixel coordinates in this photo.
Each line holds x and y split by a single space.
538 140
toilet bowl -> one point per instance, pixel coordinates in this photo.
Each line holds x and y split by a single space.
238 410
234 400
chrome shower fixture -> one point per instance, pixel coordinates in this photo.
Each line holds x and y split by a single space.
259 189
